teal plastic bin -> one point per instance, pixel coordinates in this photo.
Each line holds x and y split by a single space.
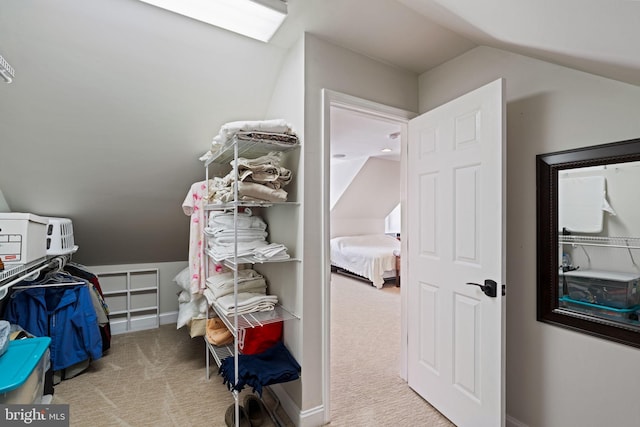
23 367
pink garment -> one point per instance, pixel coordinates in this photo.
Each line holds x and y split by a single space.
193 206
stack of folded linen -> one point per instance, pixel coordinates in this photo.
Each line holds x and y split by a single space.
249 233
251 291
219 285
248 238
260 180
248 302
245 220
275 132
264 170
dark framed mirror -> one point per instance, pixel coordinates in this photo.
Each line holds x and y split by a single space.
588 240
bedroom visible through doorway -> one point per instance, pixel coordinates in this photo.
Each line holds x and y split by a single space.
365 181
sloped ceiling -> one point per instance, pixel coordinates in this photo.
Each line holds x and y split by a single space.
114 100
112 104
597 36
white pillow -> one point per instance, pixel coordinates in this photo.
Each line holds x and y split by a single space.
182 279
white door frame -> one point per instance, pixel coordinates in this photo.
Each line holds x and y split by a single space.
341 100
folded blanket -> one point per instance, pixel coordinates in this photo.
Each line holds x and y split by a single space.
222 279
285 139
261 192
272 159
276 132
272 366
248 302
248 281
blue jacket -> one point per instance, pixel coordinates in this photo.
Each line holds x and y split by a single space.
64 313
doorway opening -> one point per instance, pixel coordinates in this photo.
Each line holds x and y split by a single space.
351 149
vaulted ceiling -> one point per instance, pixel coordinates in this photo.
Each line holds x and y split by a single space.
114 100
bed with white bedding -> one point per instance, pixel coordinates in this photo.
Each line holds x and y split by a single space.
372 256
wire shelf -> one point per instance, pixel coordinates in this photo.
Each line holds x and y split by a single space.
247 148
246 204
600 241
255 319
233 263
219 353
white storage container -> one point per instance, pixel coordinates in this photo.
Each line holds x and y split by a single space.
60 236
608 288
23 237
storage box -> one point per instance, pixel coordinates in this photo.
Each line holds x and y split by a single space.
60 236
260 338
22 237
608 288
617 314
23 367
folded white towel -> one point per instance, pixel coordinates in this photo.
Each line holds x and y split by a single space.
222 279
226 221
254 286
229 238
248 302
273 251
246 310
221 232
248 281
219 251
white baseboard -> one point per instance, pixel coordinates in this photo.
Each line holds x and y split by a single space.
310 418
143 323
170 317
513 422
140 323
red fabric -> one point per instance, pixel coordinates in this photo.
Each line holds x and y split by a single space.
258 339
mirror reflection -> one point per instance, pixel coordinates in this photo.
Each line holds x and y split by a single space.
599 242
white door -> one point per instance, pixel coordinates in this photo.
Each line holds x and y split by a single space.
455 235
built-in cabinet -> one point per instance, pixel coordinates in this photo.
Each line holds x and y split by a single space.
133 299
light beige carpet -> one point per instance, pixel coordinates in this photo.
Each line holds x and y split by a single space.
366 388
149 378
157 377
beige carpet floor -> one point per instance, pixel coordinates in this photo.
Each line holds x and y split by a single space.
157 377
366 388
148 378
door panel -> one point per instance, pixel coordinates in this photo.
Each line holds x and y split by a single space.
455 234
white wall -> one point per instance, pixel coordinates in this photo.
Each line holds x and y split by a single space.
393 221
555 377
342 173
285 279
372 194
4 206
335 68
